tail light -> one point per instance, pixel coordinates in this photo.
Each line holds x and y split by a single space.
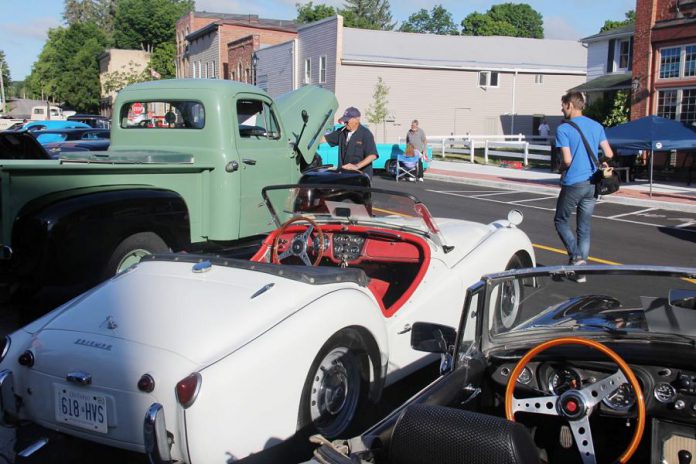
4 346
187 389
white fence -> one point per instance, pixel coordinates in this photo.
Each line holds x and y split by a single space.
515 146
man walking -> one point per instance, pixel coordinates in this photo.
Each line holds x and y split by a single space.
577 193
416 138
356 144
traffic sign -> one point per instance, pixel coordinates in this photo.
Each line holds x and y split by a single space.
137 108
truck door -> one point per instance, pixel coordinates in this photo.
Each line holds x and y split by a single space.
265 156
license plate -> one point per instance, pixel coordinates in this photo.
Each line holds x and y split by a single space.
81 408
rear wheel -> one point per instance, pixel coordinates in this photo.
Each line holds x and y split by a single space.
132 249
335 388
390 167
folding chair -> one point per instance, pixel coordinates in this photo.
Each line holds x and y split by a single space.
406 166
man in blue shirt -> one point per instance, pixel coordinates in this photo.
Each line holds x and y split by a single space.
577 193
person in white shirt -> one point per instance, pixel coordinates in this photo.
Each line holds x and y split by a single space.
544 129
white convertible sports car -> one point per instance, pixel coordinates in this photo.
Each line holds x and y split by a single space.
195 359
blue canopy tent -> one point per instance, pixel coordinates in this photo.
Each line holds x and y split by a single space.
652 133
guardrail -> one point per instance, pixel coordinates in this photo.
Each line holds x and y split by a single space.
516 146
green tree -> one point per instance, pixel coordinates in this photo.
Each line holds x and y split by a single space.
163 60
620 111
378 110
116 80
611 24
67 69
144 25
437 21
309 12
367 14
509 19
6 81
101 12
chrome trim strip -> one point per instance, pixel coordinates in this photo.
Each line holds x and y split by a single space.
33 448
155 436
8 401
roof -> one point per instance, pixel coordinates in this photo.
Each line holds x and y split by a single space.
362 46
606 83
623 31
240 20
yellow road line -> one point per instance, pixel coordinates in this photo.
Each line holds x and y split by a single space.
596 260
563 252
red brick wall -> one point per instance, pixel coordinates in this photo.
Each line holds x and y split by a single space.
658 24
233 32
240 51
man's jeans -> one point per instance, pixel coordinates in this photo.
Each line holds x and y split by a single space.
578 196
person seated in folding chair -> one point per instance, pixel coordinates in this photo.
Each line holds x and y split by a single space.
410 164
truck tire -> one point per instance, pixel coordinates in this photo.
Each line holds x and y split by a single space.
131 249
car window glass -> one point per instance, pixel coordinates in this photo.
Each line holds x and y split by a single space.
469 325
256 120
162 115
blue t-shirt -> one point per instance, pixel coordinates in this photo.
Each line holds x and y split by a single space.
581 168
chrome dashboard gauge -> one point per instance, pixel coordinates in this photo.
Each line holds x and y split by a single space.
621 399
564 379
525 376
664 392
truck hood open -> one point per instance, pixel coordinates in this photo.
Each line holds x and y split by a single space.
198 315
320 105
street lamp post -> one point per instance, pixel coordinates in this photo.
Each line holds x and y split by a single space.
254 63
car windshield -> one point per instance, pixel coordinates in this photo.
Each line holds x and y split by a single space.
616 302
351 205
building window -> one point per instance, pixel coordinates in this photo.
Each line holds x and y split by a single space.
247 76
212 70
690 60
667 104
322 69
669 62
488 79
205 71
199 70
307 71
624 54
239 71
538 78
193 70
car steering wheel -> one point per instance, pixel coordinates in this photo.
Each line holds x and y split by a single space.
299 243
577 405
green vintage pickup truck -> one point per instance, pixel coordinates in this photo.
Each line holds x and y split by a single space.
187 162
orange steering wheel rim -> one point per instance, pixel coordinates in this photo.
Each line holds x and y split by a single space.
625 368
283 228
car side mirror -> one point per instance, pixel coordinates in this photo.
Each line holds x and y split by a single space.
432 338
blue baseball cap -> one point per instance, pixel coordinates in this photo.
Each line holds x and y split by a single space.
350 113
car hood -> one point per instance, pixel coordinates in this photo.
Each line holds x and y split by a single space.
198 315
320 105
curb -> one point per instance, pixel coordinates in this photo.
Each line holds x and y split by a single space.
527 187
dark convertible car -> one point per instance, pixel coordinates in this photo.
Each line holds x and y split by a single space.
545 369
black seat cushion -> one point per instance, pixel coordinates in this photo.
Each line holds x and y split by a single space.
436 434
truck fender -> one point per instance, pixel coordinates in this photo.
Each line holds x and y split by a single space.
69 237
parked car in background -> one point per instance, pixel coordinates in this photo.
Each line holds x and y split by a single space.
53 124
42 112
21 145
200 359
72 134
55 149
93 120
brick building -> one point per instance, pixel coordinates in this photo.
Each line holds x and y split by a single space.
664 65
207 43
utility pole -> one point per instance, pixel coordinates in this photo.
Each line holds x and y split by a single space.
2 89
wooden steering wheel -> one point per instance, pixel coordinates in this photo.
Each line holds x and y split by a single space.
300 243
577 405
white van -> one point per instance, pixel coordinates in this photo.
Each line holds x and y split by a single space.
39 113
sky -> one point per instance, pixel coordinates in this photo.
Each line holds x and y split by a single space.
24 23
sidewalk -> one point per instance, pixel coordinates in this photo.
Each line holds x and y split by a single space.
675 196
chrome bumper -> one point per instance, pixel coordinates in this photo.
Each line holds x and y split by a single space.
8 400
157 444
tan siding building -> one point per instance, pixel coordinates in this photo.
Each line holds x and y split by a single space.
116 60
452 84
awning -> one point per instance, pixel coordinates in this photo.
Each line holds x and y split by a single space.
606 83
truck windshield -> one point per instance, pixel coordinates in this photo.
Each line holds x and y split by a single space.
163 115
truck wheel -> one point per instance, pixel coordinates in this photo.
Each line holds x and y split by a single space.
334 389
132 249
